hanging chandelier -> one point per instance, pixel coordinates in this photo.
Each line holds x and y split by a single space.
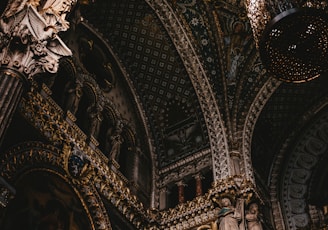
291 36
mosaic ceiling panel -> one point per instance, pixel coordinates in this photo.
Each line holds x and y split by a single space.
222 38
157 73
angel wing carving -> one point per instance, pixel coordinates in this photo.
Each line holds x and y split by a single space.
58 47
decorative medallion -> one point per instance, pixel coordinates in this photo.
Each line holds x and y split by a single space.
76 164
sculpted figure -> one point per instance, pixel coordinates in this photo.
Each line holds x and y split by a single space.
108 144
228 216
117 140
94 120
55 12
253 218
73 95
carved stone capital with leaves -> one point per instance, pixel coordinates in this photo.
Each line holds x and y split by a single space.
29 41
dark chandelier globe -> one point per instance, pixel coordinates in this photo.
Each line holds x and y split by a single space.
291 36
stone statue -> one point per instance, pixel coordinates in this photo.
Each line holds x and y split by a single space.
108 135
94 117
55 12
73 93
116 140
228 216
253 218
212 226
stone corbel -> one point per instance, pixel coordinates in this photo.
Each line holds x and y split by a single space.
234 187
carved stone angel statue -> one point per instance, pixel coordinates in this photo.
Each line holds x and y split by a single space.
56 11
117 140
230 216
253 218
94 120
73 93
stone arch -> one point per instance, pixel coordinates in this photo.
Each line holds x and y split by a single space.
107 128
93 55
150 141
87 105
127 153
135 165
254 112
65 77
304 158
205 94
37 157
293 172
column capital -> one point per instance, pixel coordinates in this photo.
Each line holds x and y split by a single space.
198 176
181 183
163 189
234 187
29 41
235 153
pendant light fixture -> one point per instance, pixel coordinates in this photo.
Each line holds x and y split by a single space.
291 36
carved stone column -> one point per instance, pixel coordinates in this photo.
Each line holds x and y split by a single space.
136 162
133 168
163 198
181 195
199 188
29 45
11 88
235 162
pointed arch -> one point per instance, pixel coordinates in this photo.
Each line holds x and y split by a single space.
203 88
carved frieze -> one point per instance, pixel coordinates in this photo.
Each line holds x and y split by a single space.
250 121
307 154
81 161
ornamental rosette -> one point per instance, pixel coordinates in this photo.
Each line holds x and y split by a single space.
39 48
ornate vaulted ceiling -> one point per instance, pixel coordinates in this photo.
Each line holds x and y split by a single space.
220 42
189 61
157 42
157 73
188 79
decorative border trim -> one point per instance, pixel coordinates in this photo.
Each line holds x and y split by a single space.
254 112
192 63
51 123
287 196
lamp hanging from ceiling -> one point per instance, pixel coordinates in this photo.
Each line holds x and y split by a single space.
291 36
